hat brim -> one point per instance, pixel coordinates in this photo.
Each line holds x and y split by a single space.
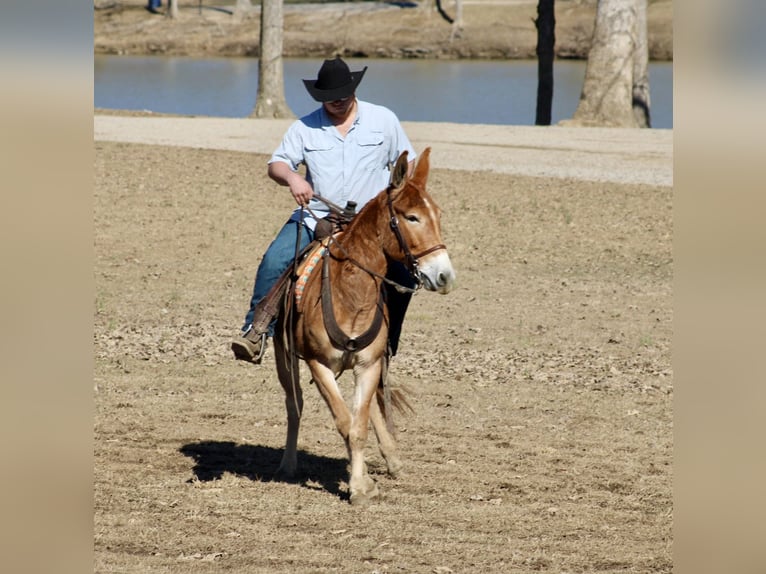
336 93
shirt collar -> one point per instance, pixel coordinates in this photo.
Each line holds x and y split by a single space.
327 124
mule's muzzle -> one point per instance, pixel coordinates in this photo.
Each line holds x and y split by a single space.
437 273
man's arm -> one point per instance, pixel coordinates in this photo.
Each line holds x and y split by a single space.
301 190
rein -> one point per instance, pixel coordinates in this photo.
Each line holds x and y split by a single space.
410 258
398 286
340 339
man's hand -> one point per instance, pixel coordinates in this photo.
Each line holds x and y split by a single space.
301 190
299 187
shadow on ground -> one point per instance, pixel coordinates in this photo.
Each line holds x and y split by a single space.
260 463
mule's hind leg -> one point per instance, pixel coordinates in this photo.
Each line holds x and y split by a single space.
386 441
289 379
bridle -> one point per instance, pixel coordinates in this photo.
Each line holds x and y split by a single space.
411 259
340 339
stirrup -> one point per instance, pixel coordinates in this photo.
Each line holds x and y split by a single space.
262 352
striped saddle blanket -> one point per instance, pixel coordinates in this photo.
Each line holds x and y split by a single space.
307 267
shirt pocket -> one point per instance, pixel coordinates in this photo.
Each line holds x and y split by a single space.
310 147
372 151
318 156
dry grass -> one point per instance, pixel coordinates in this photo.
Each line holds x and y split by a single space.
542 438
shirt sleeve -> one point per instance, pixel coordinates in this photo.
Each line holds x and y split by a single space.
290 151
400 141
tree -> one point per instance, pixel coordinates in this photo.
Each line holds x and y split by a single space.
242 9
457 21
610 75
457 25
172 11
270 101
546 40
641 101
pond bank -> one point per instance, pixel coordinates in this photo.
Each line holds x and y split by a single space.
493 30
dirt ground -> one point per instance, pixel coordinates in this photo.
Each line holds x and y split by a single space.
499 29
542 437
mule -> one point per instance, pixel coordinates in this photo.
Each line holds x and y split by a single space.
347 326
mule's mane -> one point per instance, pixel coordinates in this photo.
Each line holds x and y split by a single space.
368 231
379 203
376 204
363 228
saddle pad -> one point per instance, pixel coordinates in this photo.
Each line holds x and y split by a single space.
305 269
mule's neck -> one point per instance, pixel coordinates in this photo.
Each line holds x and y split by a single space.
363 240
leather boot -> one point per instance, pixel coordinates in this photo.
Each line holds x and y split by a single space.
250 346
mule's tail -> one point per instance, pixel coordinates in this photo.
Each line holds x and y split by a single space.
392 398
397 399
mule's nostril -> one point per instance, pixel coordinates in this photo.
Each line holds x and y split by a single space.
441 279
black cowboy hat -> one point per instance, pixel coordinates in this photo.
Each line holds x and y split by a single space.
334 81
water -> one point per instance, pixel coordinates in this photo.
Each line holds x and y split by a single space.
464 91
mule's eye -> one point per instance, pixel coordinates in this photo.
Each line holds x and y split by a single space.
412 218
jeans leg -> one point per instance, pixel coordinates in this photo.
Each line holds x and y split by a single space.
397 302
277 258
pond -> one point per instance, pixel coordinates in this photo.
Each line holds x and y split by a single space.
463 91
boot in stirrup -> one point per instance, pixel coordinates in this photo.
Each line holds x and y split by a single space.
250 346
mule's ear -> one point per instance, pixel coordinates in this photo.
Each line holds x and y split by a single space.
399 172
421 169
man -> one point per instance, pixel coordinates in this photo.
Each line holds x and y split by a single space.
348 147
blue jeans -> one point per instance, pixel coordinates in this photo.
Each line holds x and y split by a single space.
277 258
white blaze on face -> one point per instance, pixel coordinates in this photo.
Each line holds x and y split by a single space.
436 268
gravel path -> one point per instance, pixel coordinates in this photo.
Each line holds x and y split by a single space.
587 154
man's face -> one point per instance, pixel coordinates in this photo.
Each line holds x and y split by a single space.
340 108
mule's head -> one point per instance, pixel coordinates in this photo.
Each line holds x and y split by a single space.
416 223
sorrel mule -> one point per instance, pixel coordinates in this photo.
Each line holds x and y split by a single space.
402 223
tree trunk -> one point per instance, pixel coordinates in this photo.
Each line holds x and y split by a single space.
242 10
457 25
607 92
641 101
172 11
270 101
546 40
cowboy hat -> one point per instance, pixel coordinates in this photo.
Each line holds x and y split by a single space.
334 81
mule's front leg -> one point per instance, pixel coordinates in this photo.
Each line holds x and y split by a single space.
362 486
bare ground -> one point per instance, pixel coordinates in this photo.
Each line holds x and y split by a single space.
542 437
493 29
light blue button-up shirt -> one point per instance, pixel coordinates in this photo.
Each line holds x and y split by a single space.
354 168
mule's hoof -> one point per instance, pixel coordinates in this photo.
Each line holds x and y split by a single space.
394 466
364 499
363 496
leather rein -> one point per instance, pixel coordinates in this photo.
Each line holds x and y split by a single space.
338 337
